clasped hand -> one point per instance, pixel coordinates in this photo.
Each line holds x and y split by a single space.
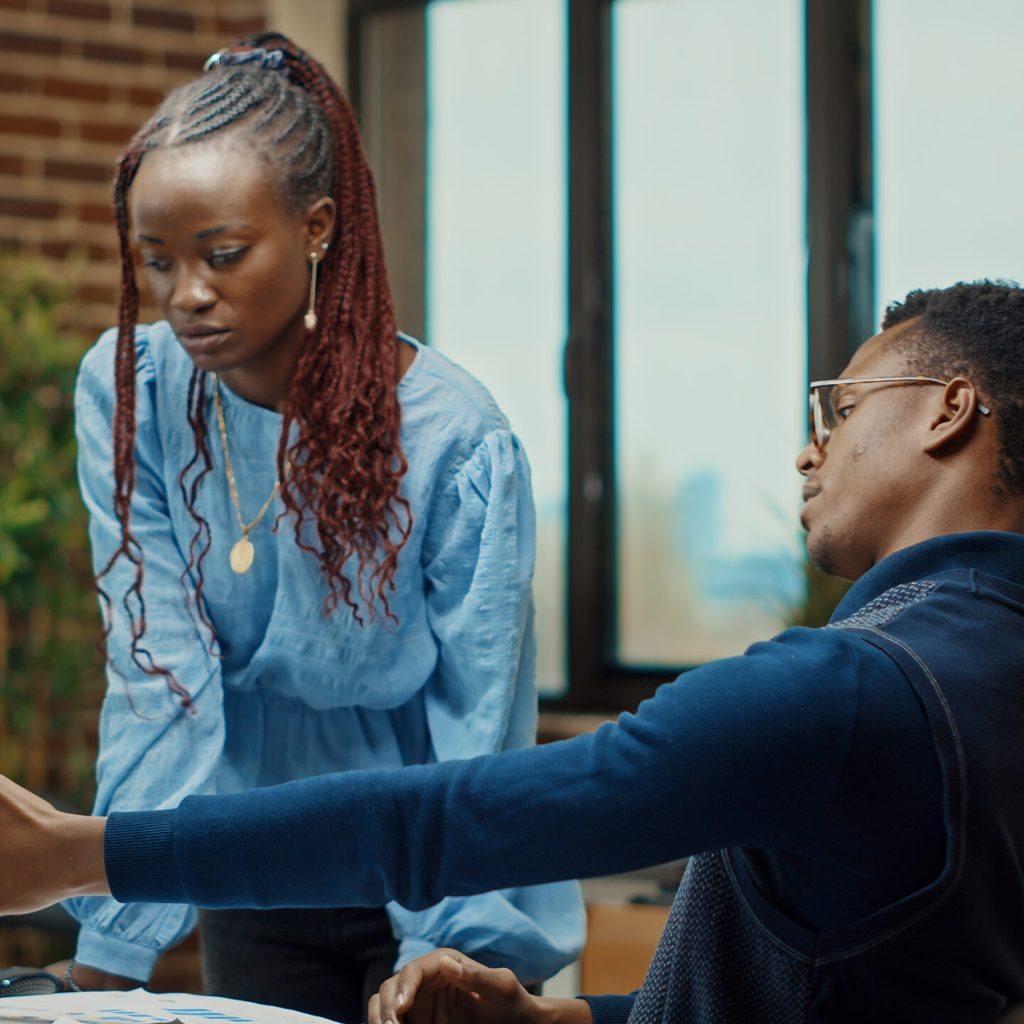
447 987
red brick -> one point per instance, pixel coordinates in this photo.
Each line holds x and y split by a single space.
239 27
185 61
93 11
22 42
161 17
102 132
76 89
63 250
11 165
111 53
95 293
77 170
143 97
13 83
29 126
90 328
95 213
19 206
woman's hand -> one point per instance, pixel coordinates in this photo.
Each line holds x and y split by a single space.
89 979
446 987
46 855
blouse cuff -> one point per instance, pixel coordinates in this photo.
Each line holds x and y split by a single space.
409 949
115 956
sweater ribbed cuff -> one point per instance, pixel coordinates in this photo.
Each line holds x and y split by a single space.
138 852
610 1009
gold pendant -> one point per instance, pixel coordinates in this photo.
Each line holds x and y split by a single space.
242 556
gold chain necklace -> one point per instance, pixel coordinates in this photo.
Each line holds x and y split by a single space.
243 553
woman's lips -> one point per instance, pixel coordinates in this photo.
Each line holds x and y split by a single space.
204 341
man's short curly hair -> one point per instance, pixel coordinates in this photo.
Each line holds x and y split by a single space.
974 329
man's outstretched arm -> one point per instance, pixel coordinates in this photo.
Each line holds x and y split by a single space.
735 752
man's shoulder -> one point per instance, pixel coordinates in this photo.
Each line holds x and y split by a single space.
941 606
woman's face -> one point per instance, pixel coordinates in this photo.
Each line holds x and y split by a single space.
227 263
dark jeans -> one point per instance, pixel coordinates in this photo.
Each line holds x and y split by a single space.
324 962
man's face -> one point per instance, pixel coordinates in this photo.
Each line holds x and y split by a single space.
860 487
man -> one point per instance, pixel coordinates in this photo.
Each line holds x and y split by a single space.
858 786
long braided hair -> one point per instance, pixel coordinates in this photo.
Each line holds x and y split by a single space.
340 431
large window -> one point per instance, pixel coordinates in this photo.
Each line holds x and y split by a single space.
710 201
949 159
495 269
709 325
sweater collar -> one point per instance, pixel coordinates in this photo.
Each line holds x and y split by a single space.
991 552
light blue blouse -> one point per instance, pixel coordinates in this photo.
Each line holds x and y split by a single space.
284 693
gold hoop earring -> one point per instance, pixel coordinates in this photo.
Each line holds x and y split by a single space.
310 318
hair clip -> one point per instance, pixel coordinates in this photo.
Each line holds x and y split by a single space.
269 60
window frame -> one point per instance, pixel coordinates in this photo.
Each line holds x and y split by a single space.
840 301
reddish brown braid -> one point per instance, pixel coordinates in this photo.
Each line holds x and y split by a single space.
347 460
342 411
124 423
199 545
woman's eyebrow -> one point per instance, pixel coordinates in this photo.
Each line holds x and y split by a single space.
220 229
205 233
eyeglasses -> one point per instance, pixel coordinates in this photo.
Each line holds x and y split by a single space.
824 415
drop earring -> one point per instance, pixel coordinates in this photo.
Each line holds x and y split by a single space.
310 318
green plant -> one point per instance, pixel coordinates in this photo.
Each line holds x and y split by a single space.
50 669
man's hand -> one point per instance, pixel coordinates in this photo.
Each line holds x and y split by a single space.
446 987
46 855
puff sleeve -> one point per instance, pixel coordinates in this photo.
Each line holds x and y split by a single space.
152 752
478 565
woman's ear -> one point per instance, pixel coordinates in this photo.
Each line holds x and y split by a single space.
318 223
957 414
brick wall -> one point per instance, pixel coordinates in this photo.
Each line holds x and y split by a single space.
77 77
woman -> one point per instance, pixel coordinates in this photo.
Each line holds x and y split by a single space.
315 533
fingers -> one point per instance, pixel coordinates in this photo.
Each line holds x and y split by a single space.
373 1010
398 994
414 987
422 990
495 984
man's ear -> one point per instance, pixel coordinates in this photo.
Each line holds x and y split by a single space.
318 222
955 417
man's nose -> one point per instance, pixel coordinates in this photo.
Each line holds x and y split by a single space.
811 457
191 292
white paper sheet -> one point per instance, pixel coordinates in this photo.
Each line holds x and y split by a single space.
142 1007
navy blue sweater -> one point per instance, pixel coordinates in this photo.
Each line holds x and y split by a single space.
862 782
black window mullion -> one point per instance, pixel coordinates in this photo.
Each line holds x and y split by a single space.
588 374
595 681
840 204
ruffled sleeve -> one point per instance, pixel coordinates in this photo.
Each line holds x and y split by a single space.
478 564
152 752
